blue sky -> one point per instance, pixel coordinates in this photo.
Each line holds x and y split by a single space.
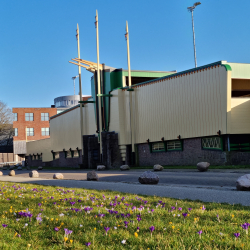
37 39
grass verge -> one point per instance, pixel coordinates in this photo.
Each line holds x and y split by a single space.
44 217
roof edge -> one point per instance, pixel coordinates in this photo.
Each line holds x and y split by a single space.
219 63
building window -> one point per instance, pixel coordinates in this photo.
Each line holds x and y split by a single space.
39 157
68 154
44 116
55 155
29 117
212 143
16 132
15 117
45 131
158 147
174 145
166 146
76 153
30 131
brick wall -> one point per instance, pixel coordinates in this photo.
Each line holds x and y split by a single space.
61 162
192 154
37 124
111 152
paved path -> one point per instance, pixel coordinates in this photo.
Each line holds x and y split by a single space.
224 178
180 184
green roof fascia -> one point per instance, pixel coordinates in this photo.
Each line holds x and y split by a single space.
146 73
227 67
115 79
107 89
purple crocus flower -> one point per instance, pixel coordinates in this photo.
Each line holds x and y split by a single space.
203 208
236 235
184 215
88 244
180 208
200 232
106 229
67 231
126 223
245 226
189 209
39 204
4 225
173 208
38 218
152 228
138 228
56 229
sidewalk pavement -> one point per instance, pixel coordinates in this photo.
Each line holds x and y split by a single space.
203 193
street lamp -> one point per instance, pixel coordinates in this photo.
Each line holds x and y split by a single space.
191 9
73 78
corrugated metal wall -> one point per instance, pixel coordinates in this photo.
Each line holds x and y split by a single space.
10 157
65 132
40 146
240 116
192 105
89 125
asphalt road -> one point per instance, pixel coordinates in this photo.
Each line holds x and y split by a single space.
221 178
212 186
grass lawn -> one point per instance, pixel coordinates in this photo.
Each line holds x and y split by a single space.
43 217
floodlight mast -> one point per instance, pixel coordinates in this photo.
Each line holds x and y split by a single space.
191 9
73 78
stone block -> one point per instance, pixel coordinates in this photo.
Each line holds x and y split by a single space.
33 174
124 167
243 183
101 167
158 167
149 177
58 176
92 176
203 166
12 173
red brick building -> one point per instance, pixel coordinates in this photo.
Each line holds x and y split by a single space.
34 122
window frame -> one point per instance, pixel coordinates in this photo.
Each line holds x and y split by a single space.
44 117
210 148
55 154
165 143
68 154
28 133
45 131
161 150
15 117
73 153
175 149
29 115
16 131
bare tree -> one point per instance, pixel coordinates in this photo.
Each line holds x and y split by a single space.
6 119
